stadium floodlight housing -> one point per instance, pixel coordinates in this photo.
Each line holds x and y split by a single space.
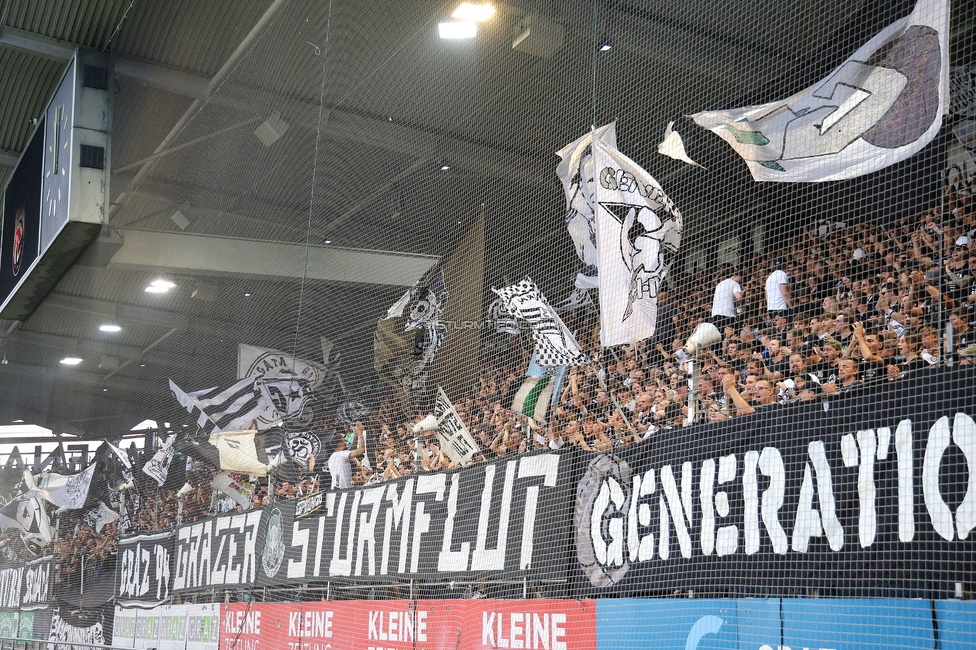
71 361
109 327
473 12
456 29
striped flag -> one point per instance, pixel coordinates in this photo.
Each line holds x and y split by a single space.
231 408
542 387
533 398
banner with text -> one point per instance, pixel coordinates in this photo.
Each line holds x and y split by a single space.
865 491
503 520
144 570
406 625
25 586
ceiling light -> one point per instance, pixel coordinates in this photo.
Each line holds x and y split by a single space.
104 389
247 294
327 241
445 167
180 220
18 421
456 29
71 361
142 365
109 327
474 13
159 286
606 46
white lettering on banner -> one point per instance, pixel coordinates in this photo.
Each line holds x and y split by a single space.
219 551
36 581
449 560
421 521
483 558
10 582
242 622
527 631
620 517
310 624
398 626
367 529
397 517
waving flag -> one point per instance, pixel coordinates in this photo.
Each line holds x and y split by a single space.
882 105
555 345
639 231
576 172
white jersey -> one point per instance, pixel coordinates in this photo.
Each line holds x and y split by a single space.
724 302
341 469
774 293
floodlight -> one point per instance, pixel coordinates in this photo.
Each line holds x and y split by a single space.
473 13
456 29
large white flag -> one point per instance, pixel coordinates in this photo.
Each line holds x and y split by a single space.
576 172
638 233
70 491
882 105
287 383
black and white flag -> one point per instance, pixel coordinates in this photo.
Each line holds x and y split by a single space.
882 105
246 452
639 231
455 439
287 384
555 345
233 408
27 515
576 172
503 321
407 339
157 467
99 516
66 491
239 487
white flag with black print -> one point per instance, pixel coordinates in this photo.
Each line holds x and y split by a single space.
29 517
555 345
287 383
882 105
224 409
576 172
157 467
65 490
639 231
453 434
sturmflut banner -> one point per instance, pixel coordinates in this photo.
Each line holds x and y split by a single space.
863 492
508 519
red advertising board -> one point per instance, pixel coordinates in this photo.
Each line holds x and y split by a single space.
410 625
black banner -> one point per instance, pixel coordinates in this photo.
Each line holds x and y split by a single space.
26 586
144 570
505 520
219 552
874 489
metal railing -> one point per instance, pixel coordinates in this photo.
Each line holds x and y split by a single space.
13 643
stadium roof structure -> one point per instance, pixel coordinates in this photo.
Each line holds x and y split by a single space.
247 132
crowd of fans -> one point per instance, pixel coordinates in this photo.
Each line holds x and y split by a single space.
858 304
864 303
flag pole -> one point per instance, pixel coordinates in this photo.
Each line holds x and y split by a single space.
606 389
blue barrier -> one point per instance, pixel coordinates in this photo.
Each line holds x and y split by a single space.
957 624
686 624
790 624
